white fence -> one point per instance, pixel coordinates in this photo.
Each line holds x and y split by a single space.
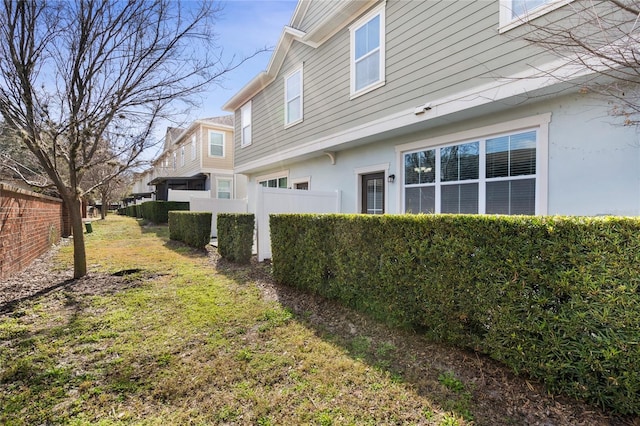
215 206
184 195
275 200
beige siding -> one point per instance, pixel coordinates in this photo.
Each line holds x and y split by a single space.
217 163
433 49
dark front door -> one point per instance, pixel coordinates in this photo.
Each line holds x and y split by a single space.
373 193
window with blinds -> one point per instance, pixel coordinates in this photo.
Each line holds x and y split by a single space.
494 175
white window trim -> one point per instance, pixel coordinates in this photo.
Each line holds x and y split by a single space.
379 10
243 125
209 132
286 100
274 175
194 148
306 179
358 172
230 180
507 22
537 122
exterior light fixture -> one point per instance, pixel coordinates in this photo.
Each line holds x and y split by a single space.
391 178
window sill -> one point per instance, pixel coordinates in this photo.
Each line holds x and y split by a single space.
293 123
506 25
367 89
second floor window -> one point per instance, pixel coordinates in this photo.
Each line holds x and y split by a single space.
367 52
175 160
182 156
245 123
293 98
194 152
216 144
516 12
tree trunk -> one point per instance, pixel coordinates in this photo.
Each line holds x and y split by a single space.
103 208
79 252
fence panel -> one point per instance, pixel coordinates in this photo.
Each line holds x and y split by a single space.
215 206
276 200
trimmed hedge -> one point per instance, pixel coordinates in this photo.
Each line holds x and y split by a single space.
192 228
158 211
235 236
556 298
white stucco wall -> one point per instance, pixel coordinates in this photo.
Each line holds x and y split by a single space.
594 162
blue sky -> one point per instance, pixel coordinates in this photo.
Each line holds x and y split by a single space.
243 27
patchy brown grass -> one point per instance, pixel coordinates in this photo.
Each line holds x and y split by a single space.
179 336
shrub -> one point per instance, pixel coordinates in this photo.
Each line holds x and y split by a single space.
192 228
235 236
556 298
158 211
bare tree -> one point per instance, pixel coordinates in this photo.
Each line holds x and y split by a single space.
75 73
602 37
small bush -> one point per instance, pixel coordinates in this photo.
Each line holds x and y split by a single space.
192 228
158 211
235 236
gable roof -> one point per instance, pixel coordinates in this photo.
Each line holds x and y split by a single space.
314 36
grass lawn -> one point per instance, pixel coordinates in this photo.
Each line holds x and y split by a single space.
176 340
183 344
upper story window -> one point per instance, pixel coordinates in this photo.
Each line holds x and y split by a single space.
368 52
245 123
216 144
175 160
517 12
293 98
182 156
194 152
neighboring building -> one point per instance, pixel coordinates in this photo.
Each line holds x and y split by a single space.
196 161
431 106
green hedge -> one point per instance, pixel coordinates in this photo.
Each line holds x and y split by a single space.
235 236
192 228
556 298
158 211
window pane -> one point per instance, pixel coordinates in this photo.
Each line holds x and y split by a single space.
215 144
420 200
282 182
511 197
375 196
460 162
498 157
523 154
498 197
293 110
368 37
521 7
368 70
224 189
246 135
420 167
461 198
523 196
293 86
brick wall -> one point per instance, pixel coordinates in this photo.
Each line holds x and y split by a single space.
29 224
